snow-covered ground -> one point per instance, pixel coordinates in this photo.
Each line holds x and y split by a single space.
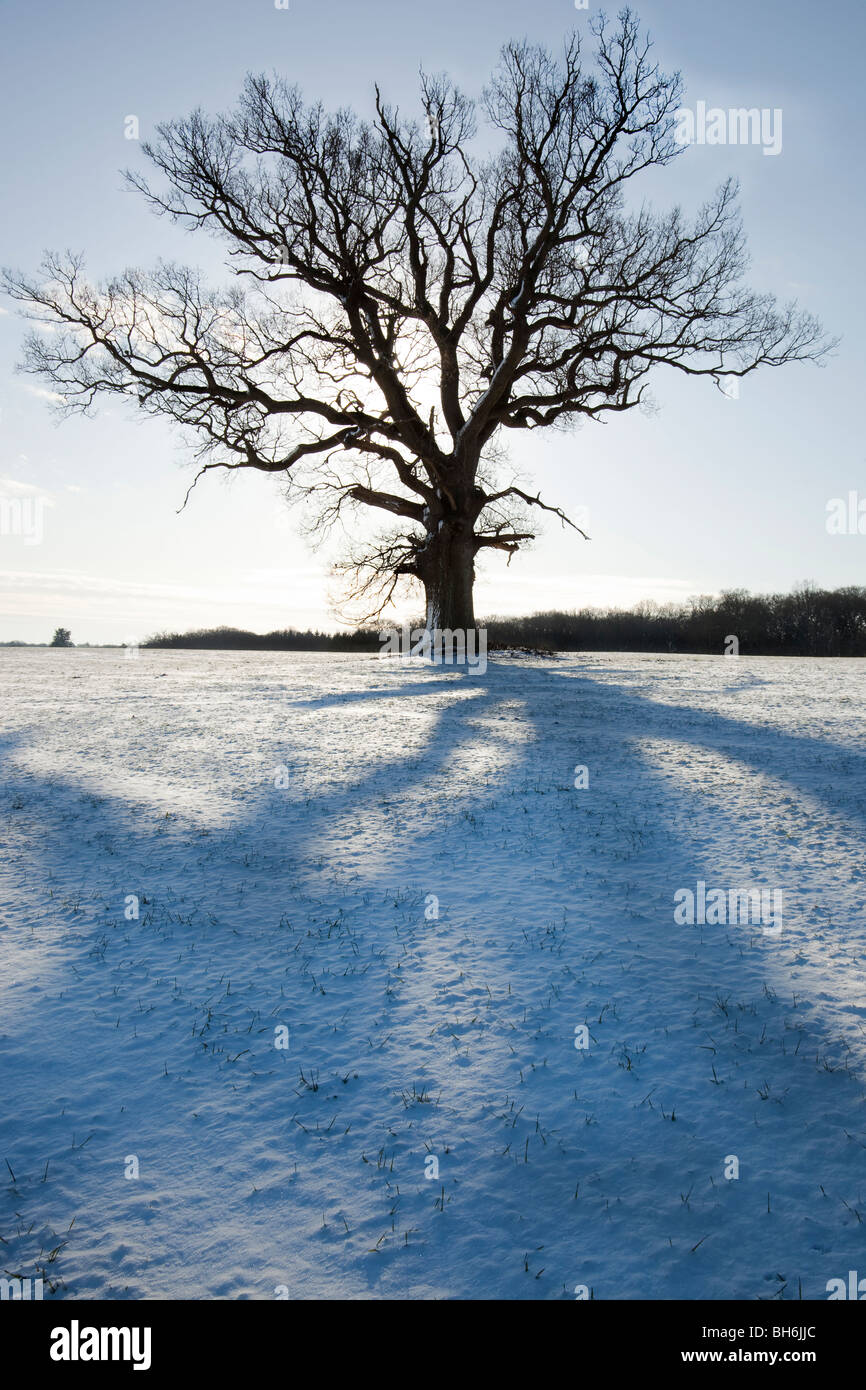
390 869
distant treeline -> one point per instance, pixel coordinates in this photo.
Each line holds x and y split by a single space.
808 622
287 639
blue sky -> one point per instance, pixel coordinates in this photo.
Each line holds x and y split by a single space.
708 493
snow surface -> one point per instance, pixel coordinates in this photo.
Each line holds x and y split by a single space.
284 820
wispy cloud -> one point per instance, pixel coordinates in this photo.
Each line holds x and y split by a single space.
109 607
99 588
13 487
42 393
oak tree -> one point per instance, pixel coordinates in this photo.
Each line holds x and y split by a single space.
407 291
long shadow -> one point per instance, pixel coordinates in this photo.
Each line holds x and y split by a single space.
789 758
642 717
593 708
117 818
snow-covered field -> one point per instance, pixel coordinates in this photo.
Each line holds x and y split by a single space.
374 912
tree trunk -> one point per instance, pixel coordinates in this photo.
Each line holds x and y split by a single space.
447 571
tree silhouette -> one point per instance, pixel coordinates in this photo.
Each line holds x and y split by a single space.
403 301
62 637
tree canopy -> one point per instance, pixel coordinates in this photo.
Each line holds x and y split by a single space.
406 293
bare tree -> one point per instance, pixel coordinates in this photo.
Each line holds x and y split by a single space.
402 301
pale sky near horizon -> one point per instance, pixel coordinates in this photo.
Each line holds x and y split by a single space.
705 494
